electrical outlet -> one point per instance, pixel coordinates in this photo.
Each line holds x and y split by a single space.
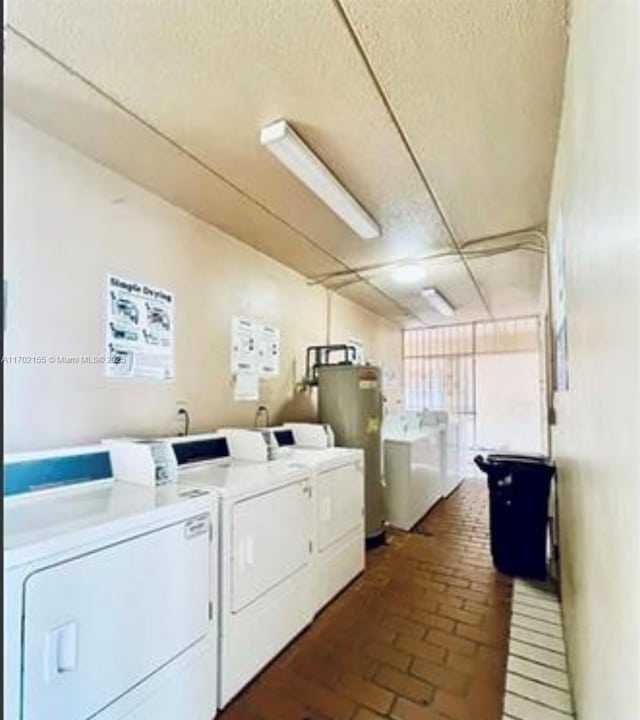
181 418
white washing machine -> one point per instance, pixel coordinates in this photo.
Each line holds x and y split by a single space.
338 491
107 595
413 474
265 548
454 453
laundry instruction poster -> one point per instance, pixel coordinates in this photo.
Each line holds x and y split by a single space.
139 331
244 356
268 350
255 348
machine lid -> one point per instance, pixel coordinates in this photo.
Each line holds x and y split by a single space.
321 459
412 436
52 520
521 458
240 479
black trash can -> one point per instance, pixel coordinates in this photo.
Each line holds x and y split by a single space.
518 506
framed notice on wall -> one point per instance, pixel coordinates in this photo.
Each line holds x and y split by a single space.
139 333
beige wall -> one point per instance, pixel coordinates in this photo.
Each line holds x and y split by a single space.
69 222
597 438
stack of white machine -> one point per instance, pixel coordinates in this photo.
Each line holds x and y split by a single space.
338 480
162 593
421 465
108 613
265 543
451 447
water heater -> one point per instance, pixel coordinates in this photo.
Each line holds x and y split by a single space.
350 401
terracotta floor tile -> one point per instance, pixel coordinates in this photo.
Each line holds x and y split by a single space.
421 635
406 710
421 649
463 616
365 693
481 635
388 655
405 685
452 642
316 697
432 620
404 626
440 676
455 707
364 714
268 703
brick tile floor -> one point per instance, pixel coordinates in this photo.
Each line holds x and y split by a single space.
421 635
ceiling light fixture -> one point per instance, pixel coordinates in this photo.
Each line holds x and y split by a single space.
406 274
437 301
283 141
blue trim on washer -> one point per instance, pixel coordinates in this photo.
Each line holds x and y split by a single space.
29 475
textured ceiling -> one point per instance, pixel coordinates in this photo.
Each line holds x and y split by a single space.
439 117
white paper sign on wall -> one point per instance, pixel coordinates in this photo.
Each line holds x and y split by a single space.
268 351
255 347
246 386
243 346
139 333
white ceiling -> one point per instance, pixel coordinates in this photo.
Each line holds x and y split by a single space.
440 117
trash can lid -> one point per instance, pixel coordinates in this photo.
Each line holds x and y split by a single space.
520 458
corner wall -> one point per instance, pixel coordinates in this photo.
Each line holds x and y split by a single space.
68 222
596 189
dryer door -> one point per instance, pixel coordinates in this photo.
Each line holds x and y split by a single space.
340 502
271 535
98 624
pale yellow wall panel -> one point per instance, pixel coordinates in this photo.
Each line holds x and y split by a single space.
47 96
69 222
596 441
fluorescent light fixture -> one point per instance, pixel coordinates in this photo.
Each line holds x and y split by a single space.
283 141
437 301
406 274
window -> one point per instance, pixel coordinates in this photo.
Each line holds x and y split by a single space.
438 366
443 367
